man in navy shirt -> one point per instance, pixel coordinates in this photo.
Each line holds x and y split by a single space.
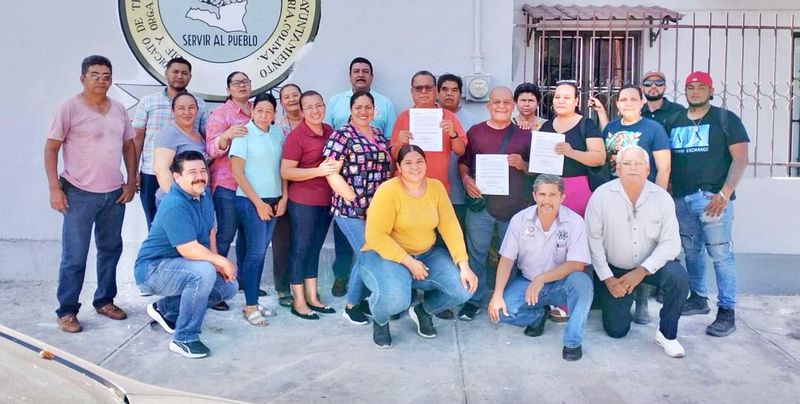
179 259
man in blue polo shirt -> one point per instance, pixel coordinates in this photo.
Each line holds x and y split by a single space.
178 260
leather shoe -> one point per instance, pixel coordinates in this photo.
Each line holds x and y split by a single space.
111 311
69 323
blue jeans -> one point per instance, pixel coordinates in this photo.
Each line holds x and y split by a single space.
87 209
699 233
309 228
343 262
148 185
575 291
281 247
391 283
353 230
228 225
188 287
259 234
480 226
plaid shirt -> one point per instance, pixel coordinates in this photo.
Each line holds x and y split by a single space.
154 113
222 118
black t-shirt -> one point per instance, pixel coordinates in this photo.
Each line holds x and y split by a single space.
576 137
661 115
700 154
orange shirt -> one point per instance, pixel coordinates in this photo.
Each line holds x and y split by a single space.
437 162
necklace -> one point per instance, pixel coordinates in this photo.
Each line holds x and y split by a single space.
697 124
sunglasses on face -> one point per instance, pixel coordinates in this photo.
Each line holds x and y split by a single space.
422 89
652 83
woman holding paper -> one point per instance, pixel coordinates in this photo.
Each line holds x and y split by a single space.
399 252
583 146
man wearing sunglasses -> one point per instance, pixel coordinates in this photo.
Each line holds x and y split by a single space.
658 107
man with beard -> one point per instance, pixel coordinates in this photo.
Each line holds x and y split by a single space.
658 107
179 259
709 156
153 114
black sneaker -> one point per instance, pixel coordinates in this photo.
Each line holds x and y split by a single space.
193 350
339 287
221 306
724 324
364 307
445 314
423 320
381 335
695 304
468 312
355 316
262 293
572 354
537 329
158 317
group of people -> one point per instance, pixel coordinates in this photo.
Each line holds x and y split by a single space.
405 219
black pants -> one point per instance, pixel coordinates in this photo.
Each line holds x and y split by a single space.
673 281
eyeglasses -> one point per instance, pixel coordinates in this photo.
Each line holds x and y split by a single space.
573 82
653 83
98 77
239 83
502 103
633 163
422 89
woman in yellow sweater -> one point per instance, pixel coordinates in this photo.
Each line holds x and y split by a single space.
399 251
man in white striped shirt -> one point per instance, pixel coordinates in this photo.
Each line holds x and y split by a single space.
633 238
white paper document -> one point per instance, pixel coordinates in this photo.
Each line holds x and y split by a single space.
425 125
491 173
543 158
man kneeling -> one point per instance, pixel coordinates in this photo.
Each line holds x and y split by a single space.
548 242
178 260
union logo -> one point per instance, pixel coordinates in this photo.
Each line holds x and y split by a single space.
260 38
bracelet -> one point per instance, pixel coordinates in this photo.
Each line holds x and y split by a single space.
453 137
722 194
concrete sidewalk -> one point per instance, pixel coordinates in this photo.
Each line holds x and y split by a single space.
334 361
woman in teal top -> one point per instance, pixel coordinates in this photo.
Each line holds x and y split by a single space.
260 197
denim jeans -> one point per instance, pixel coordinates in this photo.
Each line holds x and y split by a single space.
281 247
188 287
574 291
229 225
85 210
700 232
391 283
309 228
148 185
672 281
480 226
259 234
343 261
353 230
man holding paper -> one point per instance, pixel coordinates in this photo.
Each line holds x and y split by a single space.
496 149
435 130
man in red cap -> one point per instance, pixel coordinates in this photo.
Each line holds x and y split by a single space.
658 107
709 156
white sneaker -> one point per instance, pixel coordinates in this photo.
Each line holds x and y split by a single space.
671 347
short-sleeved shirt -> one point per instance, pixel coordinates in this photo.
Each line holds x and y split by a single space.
367 164
457 192
483 139
437 162
576 137
337 112
537 251
261 152
153 113
92 143
700 154
222 118
667 109
305 147
174 139
180 219
645 133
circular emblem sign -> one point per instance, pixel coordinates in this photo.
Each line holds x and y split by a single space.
261 38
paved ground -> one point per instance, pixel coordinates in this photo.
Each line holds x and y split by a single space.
333 361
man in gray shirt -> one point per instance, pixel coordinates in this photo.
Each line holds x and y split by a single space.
633 238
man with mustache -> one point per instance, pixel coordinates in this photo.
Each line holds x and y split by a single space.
337 114
154 113
179 259
658 107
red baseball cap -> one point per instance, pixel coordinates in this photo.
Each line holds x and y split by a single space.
700 77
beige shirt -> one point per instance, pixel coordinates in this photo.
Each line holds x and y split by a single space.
626 236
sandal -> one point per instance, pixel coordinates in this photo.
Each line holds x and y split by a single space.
255 318
266 312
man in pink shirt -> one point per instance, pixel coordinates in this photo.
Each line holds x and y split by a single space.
95 133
